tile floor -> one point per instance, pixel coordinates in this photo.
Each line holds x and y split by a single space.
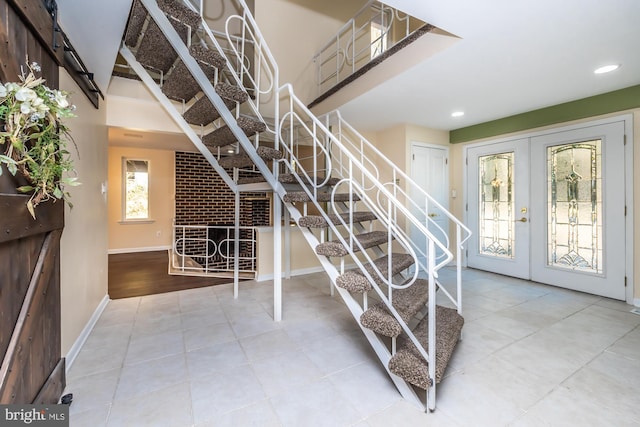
531 355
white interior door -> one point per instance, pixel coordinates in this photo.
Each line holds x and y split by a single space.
577 211
430 170
498 207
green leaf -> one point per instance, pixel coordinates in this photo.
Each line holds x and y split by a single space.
12 168
26 189
57 193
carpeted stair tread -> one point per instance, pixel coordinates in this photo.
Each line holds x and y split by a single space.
155 51
289 178
202 112
224 136
243 160
357 282
400 262
354 282
231 92
323 196
407 362
317 221
181 12
367 240
180 84
135 25
407 302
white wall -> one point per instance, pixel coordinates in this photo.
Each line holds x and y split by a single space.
84 262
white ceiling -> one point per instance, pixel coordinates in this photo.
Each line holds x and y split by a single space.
514 56
95 29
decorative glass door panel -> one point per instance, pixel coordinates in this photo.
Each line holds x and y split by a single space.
577 218
496 209
574 229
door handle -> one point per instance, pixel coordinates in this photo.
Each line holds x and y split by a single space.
523 219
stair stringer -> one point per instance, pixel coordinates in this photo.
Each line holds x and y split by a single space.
378 346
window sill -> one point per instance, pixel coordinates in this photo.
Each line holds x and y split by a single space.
136 221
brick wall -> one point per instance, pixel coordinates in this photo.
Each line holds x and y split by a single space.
203 198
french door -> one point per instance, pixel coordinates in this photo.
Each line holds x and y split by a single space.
498 204
551 208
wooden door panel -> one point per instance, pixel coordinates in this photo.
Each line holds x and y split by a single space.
31 367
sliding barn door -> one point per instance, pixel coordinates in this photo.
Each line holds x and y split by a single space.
31 367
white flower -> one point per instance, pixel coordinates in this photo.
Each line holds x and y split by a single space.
12 87
35 67
26 94
3 91
25 108
42 110
61 99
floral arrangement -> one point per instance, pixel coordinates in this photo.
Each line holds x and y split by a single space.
32 134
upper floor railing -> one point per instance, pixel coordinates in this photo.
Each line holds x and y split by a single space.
374 29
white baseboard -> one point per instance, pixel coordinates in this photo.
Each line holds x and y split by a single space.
133 250
77 346
299 272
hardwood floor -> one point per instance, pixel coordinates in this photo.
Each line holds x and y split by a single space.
145 273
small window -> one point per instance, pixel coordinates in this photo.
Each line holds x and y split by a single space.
135 189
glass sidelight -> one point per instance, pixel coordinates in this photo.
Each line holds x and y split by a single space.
496 205
574 203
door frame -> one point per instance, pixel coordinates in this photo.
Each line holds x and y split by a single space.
628 150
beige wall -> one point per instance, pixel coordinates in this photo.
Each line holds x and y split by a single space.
457 183
303 258
293 40
83 260
125 237
131 105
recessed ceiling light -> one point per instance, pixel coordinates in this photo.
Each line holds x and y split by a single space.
457 114
230 150
607 69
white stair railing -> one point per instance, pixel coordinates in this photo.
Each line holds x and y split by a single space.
418 200
289 113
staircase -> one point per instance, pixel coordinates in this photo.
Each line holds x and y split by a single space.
223 92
